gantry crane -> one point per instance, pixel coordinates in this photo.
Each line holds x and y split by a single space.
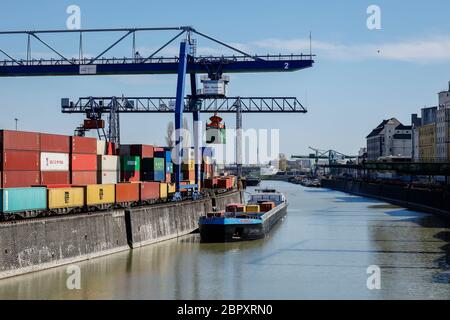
331 155
185 63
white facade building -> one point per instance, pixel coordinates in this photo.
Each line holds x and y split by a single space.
389 138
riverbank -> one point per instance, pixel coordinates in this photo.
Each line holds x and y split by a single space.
431 201
38 244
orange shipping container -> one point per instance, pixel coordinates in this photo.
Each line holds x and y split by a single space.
127 192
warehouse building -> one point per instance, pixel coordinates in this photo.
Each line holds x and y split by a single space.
389 138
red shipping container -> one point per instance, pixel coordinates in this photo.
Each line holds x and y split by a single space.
19 179
83 162
54 186
225 183
94 124
83 145
149 191
130 176
55 177
168 178
189 175
141 150
12 160
84 177
55 143
127 192
210 183
158 149
266 206
19 140
111 149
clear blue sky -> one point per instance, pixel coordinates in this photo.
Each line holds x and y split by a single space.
360 76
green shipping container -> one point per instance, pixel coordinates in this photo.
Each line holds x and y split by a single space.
153 164
23 199
130 163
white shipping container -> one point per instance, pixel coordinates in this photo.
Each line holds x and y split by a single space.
51 161
101 147
108 163
108 177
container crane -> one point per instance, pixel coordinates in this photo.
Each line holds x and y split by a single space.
331 155
185 63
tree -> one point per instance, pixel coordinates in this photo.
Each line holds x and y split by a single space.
170 132
282 162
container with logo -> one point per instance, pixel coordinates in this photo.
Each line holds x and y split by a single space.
64 198
23 199
99 194
130 163
51 161
130 168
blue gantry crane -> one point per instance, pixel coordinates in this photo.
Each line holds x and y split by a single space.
186 63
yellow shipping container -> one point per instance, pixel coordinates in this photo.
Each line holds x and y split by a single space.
59 198
100 194
163 190
171 188
252 208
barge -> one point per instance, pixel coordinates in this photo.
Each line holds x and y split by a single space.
244 223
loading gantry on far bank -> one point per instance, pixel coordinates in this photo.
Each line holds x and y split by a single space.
211 99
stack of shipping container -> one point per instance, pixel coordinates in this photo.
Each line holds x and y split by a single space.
108 163
19 159
83 160
54 157
31 159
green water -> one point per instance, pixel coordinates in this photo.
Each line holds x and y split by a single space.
320 251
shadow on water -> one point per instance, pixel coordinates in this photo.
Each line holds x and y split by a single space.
355 199
430 222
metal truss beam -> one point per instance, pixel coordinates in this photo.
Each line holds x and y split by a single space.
100 65
167 104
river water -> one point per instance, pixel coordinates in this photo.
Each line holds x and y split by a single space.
321 250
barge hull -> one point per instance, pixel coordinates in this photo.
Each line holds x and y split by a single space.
215 233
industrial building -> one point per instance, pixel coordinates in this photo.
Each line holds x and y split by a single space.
389 138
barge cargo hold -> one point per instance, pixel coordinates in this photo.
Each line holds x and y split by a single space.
242 226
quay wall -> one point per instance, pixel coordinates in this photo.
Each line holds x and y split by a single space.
432 201
42 243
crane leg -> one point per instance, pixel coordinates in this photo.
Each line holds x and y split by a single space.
179 106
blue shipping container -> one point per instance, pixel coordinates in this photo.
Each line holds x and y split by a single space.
167 155
23 199
154 176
